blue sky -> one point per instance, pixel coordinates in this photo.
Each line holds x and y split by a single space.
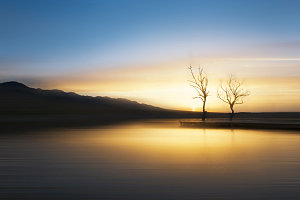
52 43
95 31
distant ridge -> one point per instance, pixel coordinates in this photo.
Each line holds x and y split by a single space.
17 98
13 84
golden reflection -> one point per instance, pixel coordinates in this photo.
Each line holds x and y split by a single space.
173 145
164 152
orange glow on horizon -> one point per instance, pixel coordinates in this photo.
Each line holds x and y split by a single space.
165 85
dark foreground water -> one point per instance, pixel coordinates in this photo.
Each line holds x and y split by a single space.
150 161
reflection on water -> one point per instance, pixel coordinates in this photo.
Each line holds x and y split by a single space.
150 161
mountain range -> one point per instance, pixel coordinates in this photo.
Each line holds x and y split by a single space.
17 98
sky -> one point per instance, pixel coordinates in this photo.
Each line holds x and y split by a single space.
141 50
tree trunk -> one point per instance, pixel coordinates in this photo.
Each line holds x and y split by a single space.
203 112
232 112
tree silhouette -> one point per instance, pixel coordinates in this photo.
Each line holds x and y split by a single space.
232 93
199 83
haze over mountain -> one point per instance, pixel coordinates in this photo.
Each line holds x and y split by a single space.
17 98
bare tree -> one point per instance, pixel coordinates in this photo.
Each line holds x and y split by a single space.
232 93
199 83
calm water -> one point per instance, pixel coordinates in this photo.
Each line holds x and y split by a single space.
150 161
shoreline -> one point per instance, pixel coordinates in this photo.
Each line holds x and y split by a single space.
244 124
41 121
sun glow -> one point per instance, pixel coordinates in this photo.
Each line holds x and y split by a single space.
194 108
166 84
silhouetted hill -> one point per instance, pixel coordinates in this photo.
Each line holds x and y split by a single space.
14 85
17 98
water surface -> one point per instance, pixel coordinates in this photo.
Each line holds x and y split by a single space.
150 160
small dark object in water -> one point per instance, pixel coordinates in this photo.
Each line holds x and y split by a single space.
242 125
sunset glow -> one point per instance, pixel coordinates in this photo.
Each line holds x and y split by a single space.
145 58
150 99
